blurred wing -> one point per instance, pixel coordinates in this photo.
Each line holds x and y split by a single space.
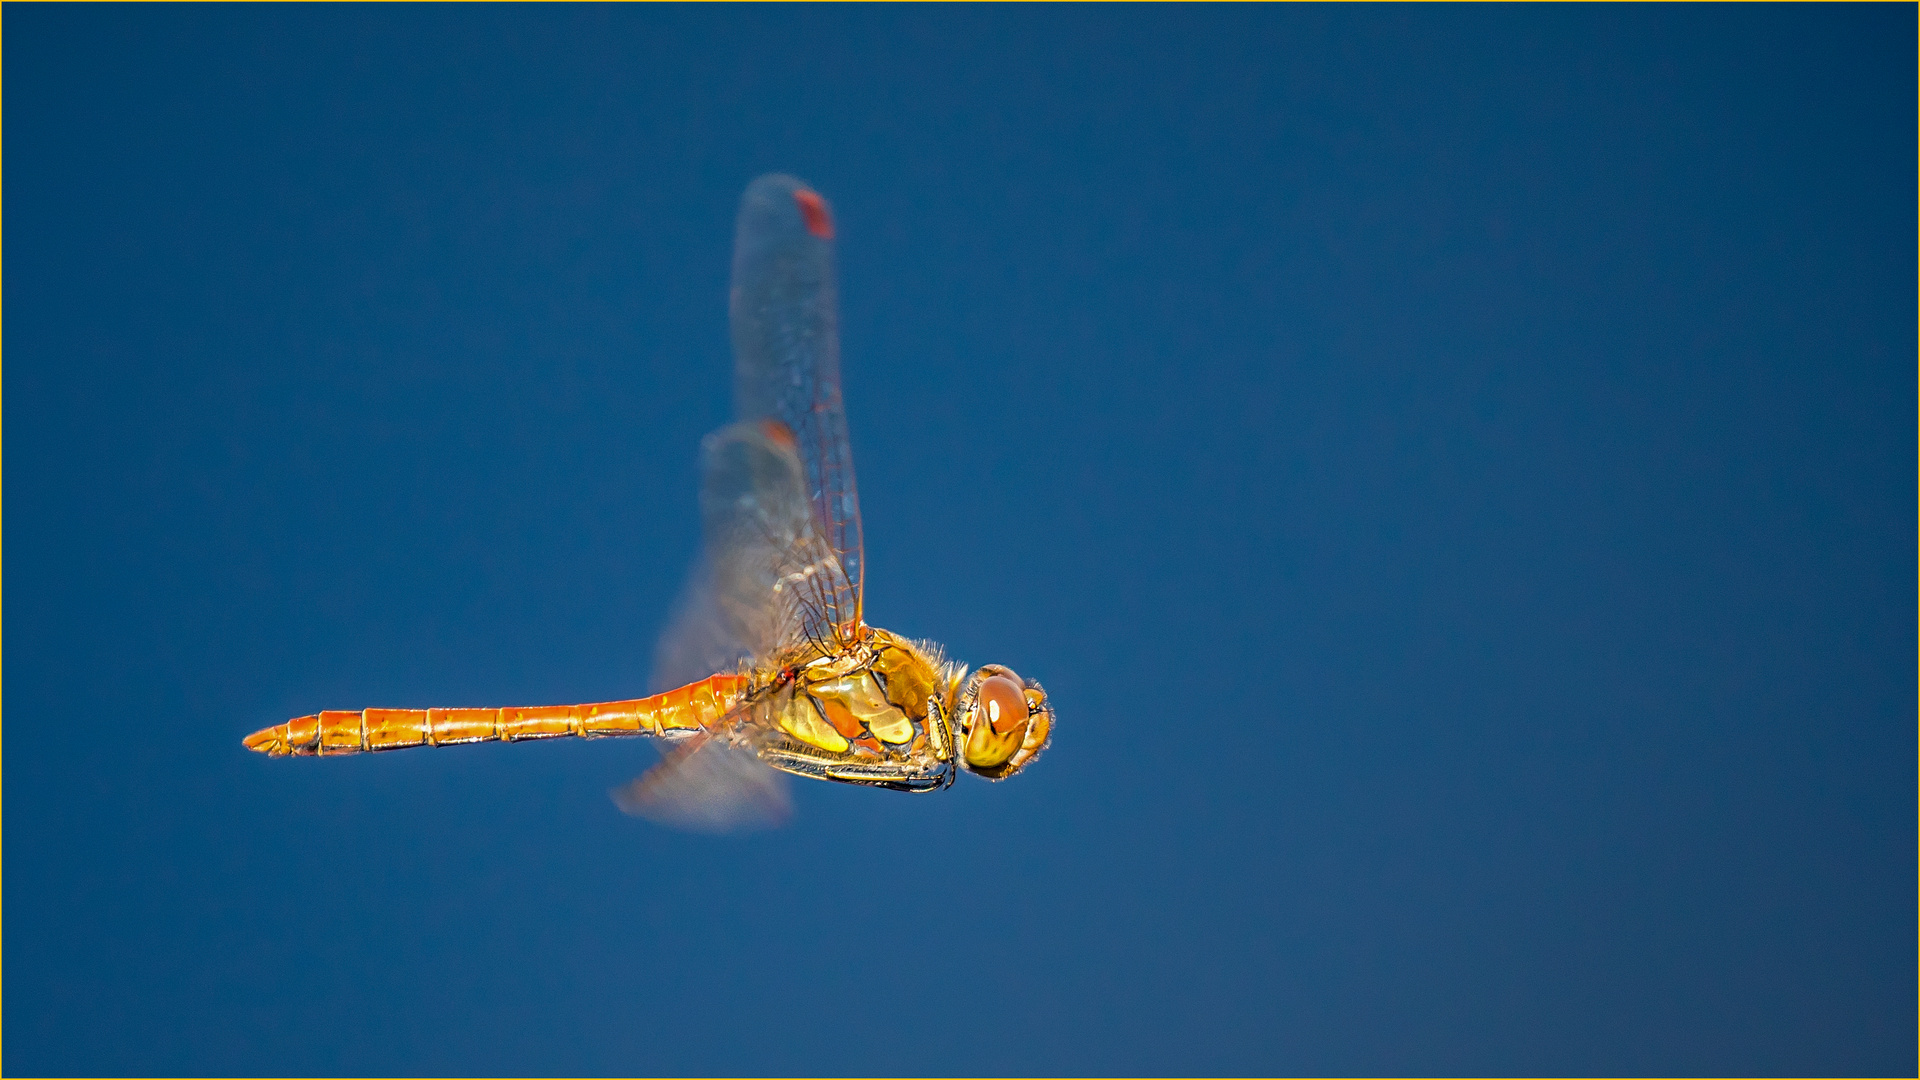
766 579
786 345
774 580
705 784
778 507
764 584
697 642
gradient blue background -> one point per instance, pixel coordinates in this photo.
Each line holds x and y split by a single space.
1454 469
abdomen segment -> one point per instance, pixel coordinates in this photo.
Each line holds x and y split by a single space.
691 708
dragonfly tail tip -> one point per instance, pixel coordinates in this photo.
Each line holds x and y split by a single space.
270 741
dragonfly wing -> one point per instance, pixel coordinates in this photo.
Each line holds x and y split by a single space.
786 343
774 580
698 641
762 586
706 784
778 508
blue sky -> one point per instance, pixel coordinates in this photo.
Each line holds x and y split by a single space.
1453 469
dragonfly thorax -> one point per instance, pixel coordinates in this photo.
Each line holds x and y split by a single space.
871 712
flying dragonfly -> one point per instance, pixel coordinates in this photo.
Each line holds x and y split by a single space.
773 665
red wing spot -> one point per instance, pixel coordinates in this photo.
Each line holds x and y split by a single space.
778 434
814 209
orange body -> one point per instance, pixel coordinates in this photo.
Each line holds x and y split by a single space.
688 710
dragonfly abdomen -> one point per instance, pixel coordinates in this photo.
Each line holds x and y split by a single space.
685 710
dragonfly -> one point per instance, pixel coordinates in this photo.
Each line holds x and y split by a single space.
772 667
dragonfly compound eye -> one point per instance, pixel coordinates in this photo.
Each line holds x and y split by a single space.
1003 706
1005 723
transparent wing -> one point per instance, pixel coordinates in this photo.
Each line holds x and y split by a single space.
786 343
697 642
707 784
775 580
763 585
778 507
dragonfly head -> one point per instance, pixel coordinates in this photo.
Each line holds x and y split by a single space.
1002 721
